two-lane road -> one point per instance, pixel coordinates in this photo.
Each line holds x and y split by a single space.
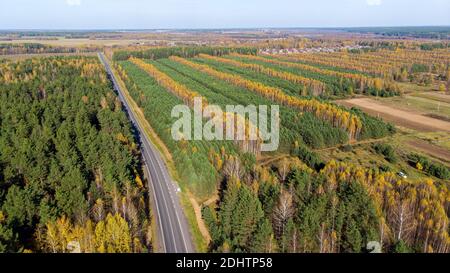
173 231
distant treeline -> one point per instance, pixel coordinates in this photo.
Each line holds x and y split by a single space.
431 46
373 46
437 32
49 33
36 48
185 52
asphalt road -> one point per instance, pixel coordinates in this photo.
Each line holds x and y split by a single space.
173 231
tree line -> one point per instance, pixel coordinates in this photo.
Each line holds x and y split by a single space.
69 162
360 83
188 96
185 52
316 87
340 208
294 125
336 116
398 64
36 48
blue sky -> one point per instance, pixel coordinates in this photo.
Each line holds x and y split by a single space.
147 14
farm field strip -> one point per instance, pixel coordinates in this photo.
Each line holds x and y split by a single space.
399 117
222 93
352 76
440 139
185 77
317 86
365 59
168 83
337 62
433 56
419 105
334 86
354 82
191 158
186 93
374 129
325 65
376 63
289 88
430 149
433 96
394 58
332 60
326 111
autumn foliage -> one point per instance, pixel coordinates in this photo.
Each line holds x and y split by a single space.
359 79
19 72
339 209
188 97
316 86
333 114
396 64
69 162
177 89
412 212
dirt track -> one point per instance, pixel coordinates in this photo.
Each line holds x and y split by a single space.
399 117
435 96
430 149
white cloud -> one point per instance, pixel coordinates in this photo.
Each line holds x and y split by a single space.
73 2
374 2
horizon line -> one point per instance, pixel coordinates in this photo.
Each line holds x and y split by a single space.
218 28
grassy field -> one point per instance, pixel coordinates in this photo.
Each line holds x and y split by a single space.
365 155
425 103
433 144
422 115
440 139
392 112
436 96
408 87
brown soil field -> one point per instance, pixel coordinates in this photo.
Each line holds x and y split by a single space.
434 96
433 150
398 117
